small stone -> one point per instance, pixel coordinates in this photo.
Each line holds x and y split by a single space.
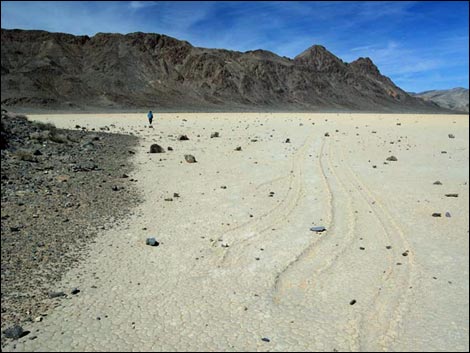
155 148
436 214
175 194
389 247
170 148
190 158
437 182
115 188
452 195
327 134
183 138
238 148
362 248
15 332
38 319
448 215
214 134
151 242
352 302
392 159
288 140
318 229
265 339
75 291
451 136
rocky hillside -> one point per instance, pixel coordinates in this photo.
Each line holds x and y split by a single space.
454 99
139 70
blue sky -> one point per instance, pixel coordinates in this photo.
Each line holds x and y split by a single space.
420 45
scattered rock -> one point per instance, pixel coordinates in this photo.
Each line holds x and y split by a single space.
152 242
190 158
327 134
183 138
448 215
452 195
238 148
75 291
436 214
451 136
265 339
15 332
437 183
392 159
214 134
352 302
318 229
170 148
287 140
175 194
155 148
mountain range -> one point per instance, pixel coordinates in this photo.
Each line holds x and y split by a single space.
454 99
49 71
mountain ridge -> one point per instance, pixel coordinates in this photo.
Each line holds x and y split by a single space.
144 70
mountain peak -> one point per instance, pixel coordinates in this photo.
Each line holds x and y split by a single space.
318 57
365 65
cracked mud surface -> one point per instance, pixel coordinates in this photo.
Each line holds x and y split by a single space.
238 268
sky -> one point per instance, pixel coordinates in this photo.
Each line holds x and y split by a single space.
420 45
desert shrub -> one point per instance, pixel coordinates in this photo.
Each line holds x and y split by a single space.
58 138
25 155
44 126
40 135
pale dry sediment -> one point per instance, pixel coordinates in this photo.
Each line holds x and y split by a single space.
276 278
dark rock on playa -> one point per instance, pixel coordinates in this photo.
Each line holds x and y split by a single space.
436 214
318 229
238 148
183 138
287 140
452 195
15 332
214 134
437 182
451 136
75 291
152 242
392 159
155 148
190 158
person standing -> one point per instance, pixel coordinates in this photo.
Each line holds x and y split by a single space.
150 117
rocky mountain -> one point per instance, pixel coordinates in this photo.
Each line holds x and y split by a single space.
455 99
140 71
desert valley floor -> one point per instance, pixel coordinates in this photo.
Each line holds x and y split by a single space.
238 267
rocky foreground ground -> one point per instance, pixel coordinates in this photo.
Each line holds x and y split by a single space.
60 188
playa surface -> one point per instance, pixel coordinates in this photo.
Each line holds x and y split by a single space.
238 268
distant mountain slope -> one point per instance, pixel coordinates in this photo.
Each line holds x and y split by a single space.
455 99
138 70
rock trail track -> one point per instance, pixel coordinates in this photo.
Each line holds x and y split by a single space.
276 279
